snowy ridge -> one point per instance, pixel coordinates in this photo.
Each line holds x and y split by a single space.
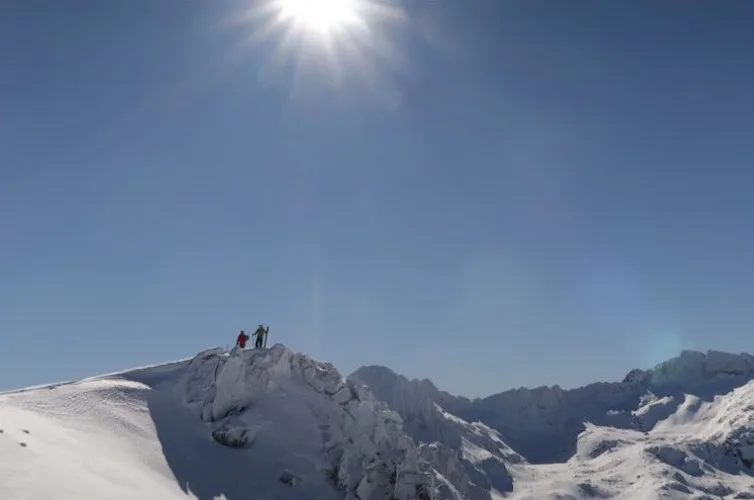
414 397
253 425
468 458
269 424
693 367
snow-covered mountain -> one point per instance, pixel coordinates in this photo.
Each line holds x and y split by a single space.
270 424
543 424
244 425
470 459
546 437
703 450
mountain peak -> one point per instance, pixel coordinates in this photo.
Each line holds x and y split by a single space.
411 396
369 455
381 375
694 367
294 426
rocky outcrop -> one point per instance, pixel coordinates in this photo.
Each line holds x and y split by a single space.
371 457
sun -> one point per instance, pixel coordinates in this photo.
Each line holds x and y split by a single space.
322 45
323 16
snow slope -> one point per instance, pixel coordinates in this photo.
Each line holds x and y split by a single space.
698 452
290 428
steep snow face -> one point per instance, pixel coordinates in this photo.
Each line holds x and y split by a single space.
411 398
261 425
468 459
246 393
88 440
470 472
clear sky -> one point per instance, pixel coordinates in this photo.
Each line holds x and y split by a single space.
485 193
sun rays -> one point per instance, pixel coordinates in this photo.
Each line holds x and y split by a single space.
303 43
322 16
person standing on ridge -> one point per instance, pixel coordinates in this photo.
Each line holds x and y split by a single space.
242 339
261 334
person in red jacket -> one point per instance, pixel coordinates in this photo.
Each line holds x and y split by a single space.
242 338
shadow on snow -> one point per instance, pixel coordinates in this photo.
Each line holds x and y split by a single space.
210 471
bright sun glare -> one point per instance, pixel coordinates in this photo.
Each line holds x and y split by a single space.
323 16
346 42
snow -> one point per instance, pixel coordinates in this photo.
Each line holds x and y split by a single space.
691 454
694 452
268 424
542 424
94 439
469 459
296 428
684 429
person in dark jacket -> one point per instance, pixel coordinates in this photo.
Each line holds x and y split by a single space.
261 333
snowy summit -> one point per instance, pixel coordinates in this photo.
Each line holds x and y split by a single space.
255 424
264 424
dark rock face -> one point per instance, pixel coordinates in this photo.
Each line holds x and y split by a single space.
233 436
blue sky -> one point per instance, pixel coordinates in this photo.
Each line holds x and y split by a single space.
488 194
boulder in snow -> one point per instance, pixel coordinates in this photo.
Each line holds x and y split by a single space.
234 435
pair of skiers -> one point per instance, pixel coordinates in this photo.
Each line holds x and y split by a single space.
261 334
